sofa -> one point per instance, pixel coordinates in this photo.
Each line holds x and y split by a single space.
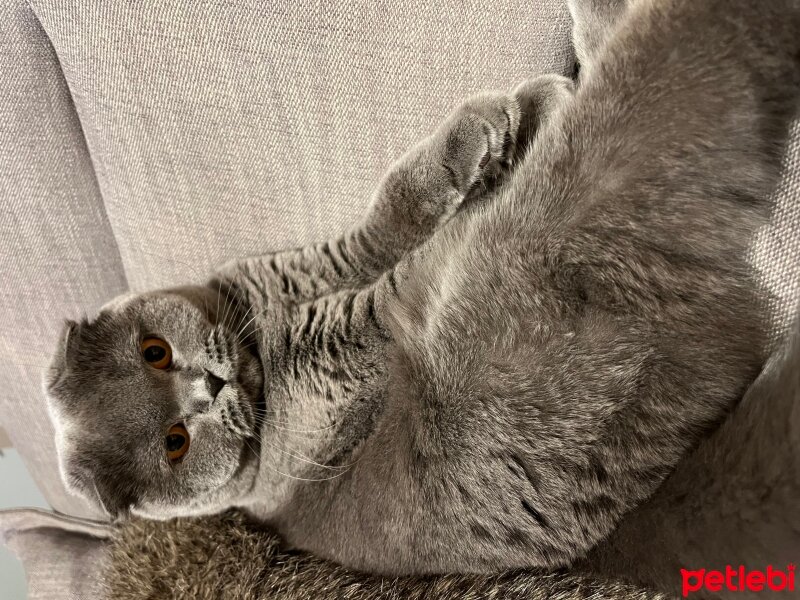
144 143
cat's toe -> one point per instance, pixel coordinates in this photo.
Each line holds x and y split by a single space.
538 99
480 138
500 114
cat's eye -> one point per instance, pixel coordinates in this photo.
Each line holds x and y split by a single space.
176 442
156 352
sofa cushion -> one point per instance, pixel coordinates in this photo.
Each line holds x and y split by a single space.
59 257
776 250
224 129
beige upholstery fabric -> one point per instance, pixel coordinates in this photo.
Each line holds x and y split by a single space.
58 254
63 557
223 129
776 251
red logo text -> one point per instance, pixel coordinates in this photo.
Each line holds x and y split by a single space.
738 580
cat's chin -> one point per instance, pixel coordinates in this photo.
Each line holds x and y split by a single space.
210 502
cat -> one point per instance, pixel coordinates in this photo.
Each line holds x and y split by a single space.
500 361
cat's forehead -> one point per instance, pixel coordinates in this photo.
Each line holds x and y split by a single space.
167 304
151 312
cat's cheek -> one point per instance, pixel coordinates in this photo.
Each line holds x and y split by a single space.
212 460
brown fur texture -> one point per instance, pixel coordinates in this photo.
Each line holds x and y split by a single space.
225 557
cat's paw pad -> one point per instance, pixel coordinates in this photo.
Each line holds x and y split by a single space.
478 139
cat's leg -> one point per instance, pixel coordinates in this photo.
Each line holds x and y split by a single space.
329 368
421 191
539 99
593 22
336 337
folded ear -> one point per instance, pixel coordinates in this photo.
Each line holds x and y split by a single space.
63 557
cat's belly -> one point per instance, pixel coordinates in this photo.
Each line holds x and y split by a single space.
525 416
527 409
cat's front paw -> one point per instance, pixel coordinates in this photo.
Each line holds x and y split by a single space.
476 142
539 99
463 156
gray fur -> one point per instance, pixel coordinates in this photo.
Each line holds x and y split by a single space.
731 501
592 24
485 389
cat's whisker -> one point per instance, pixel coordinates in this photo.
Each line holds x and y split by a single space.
219 293
321 479
256 329
253 450
226 309
255 316
229 312
263 418
305 459
264 421
277 425
225 306
308 479
238 326
223 319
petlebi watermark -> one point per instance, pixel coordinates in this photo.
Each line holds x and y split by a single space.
739 579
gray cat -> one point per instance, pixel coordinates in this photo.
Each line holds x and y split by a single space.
484 388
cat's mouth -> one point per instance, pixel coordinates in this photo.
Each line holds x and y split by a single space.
236 411
242 398
235 358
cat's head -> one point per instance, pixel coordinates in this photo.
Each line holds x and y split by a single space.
155 405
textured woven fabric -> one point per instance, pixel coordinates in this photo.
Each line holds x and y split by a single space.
776 251
224 129
58 255
63 557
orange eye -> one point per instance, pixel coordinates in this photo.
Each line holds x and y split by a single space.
177 442
156 352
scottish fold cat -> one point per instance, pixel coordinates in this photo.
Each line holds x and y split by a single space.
545 307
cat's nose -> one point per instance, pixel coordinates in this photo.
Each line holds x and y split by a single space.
214 384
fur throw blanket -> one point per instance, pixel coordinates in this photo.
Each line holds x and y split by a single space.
225 558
